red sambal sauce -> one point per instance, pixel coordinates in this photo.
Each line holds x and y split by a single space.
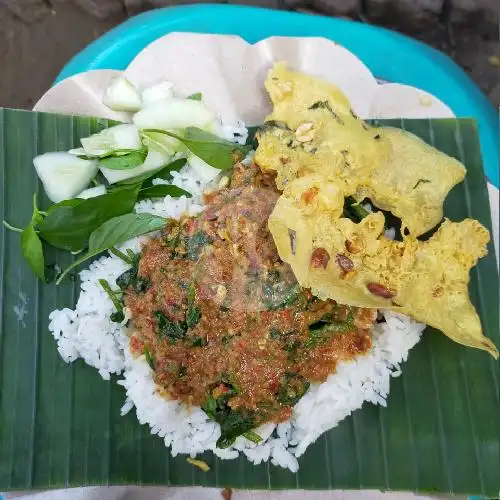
223 321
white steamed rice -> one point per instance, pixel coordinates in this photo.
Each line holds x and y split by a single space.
88 333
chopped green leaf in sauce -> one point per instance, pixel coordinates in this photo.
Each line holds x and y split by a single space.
322 331
149 358
196 243
292 387
168 329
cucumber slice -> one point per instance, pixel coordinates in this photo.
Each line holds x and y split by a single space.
174 114
64 175
118 139
157 92
121 95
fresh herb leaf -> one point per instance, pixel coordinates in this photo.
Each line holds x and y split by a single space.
66 203
31 244
212 149
196 96
161 190
116 231
147 177
168 329
125 161
292 387
69 225
33 251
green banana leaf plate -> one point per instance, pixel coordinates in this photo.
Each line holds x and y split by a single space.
60 424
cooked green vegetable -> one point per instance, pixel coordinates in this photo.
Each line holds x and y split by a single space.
196 243
193 311
252 436
117 316
233 423
168 329
116 231
149 358
322 331
277 298
292 387
126 258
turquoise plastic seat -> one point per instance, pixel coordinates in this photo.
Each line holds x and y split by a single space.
389 55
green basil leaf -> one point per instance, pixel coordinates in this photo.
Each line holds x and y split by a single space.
147 177
69 225
162 190
116 231
124 162
65 203
214 150
196 96
33 251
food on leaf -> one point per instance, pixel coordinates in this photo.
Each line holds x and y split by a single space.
427 280
312 129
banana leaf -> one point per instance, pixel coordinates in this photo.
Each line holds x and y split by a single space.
60 424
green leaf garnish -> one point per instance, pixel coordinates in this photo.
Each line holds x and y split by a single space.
212 149
69 224
116 231
126 161
161 190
